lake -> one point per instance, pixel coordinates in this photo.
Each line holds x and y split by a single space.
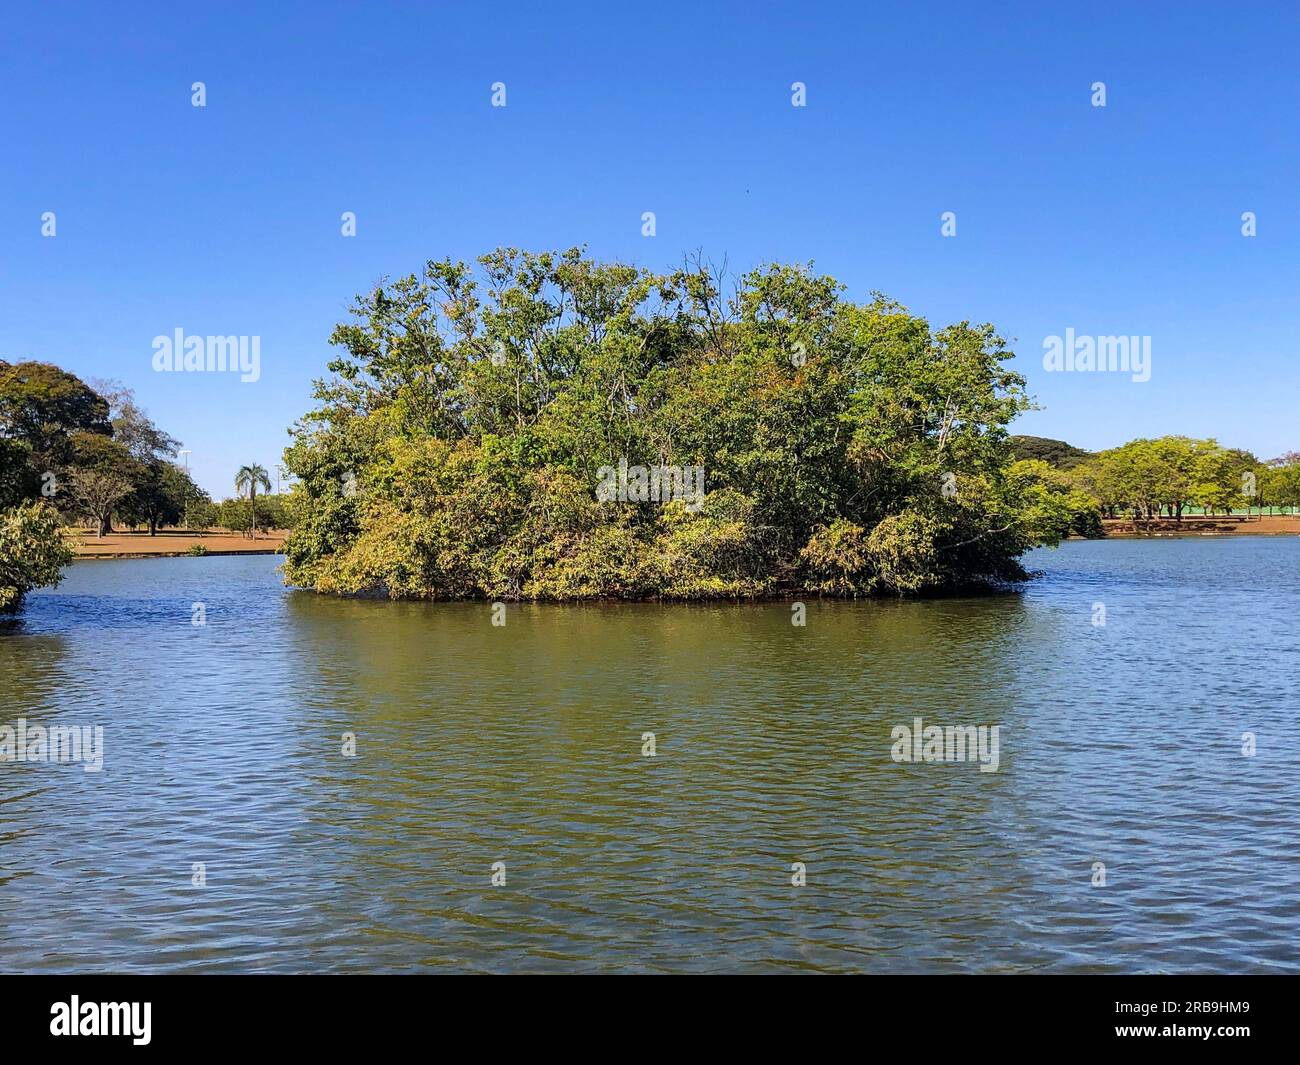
227 831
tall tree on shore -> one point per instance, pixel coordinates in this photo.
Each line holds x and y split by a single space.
101 474
158 486
249 479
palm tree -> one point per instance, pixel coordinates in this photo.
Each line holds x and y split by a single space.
249 479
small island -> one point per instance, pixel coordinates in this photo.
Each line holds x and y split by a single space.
523 430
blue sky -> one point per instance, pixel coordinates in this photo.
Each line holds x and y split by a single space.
225 219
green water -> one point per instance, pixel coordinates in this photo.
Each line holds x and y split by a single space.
523 744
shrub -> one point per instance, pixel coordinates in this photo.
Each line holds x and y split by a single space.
34 549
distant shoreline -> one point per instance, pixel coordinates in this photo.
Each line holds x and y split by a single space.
174 543
1169 528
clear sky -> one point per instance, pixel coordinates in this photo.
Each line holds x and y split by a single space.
226 219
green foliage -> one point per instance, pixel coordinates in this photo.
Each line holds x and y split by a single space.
1054 452
1279 482
41 406
233 514
273 512
839 560
160 490
456 448
1148 478
100 475
92 447
249 479
33 552
203 514
18 480
196 550
160 493
1054 507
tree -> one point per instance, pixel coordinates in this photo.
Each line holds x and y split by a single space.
1279 481
131 426
1052 506
204 514
1151 477
79 444
17 478
101 474
43 406
273 512
249 479
455 448
232 514
159 494
159 488
97 493
33 552
1054 452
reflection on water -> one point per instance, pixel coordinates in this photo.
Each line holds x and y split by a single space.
522 744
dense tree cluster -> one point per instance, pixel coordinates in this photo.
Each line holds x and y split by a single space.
238 515
87 449
1170 475
71 451
847 448
1166 476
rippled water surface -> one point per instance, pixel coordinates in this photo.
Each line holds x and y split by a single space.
522 744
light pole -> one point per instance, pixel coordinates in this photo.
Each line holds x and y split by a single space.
185 488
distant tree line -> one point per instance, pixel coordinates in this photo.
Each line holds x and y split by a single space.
1168 475
238 515
87 450
90 451
72 451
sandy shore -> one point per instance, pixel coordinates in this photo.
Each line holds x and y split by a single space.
1268 525
172 542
